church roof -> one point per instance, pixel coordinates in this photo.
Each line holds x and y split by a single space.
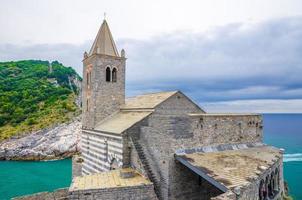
104 43
147 101
135 109
227 169
121 121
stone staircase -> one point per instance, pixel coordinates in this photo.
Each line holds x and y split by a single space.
148 169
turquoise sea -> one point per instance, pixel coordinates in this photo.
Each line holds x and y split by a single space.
21 178
281 130
285 131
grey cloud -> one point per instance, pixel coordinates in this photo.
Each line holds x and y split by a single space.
237 61
233 62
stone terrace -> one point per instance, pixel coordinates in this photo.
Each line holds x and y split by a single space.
108 179
115 184
232 168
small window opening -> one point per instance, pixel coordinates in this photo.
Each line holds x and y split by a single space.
108 74
114 75
106 149
87 77
87 105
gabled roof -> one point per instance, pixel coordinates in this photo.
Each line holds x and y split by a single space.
121 121
135 109
104 43
147 101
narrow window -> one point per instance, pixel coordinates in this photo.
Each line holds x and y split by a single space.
87 77
106 149
108 74
114 75
87 105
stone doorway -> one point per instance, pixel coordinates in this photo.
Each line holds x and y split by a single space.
113 164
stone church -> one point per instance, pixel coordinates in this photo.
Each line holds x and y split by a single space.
163 145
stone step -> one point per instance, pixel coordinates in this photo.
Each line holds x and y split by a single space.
145 162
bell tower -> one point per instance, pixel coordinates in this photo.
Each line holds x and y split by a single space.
103 83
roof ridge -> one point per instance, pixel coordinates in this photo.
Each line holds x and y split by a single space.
171 91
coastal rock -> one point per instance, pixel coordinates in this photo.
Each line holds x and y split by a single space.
57 142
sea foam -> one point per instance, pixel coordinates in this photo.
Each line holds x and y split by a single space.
292 157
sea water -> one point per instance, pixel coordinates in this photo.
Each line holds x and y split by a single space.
21 178
281 130
285 131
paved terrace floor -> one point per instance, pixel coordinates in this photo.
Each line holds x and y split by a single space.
232 168
110 179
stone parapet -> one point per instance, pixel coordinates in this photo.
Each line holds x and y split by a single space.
141 192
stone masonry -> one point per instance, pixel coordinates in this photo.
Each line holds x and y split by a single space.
133 193
154 133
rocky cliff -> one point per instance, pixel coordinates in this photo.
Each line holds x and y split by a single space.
39 110
52 143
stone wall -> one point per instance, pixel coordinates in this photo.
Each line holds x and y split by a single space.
227 128
229 195
60 194
104 98
77 165
170 127
101 151
185 184
251 191
135 161
162 132
142 192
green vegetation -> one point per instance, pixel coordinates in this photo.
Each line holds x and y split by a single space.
34 95
285 197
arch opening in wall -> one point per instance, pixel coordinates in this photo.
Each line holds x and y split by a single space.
277 180
114 164
114 75
108 74
262 189
270 186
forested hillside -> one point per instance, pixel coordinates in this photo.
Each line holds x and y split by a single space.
36 94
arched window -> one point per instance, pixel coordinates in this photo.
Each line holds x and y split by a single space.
108 72
114 73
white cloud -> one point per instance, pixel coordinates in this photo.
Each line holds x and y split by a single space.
75 21
255 106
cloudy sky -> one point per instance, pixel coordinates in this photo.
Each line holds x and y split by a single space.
228 55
